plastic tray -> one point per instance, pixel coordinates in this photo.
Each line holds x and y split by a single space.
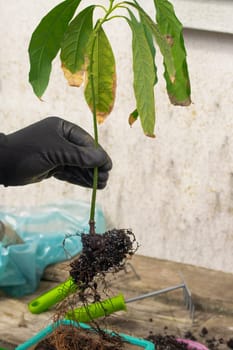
30 343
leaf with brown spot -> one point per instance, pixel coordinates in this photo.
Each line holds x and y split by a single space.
179 88
161 40
133 117
100 117
75 45
74 79
151 135
169 39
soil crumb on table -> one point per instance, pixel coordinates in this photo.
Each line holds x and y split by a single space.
169 342
166 342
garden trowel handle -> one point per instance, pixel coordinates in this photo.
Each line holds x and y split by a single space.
53 296
92 311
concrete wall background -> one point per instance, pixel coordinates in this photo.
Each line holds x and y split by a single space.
175 191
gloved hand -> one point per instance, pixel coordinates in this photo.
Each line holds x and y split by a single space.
52 147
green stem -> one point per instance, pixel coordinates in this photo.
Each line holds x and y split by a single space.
95 176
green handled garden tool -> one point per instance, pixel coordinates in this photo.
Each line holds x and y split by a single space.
99 309
117 303
52 296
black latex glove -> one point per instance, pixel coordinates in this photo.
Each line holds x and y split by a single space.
52 147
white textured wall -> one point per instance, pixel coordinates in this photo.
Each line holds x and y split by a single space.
175 191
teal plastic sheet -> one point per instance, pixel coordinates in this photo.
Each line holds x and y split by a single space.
50 234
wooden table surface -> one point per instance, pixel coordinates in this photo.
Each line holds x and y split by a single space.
142 275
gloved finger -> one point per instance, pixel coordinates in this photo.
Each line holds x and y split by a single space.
83 149
85 157
81 177
102 177
74 134
70 178
107 165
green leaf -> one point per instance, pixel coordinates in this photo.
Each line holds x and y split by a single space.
160 39
45 43
104 76
149 38
144 76
74 43
171 28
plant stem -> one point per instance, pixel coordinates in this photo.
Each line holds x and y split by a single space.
91 76
95 175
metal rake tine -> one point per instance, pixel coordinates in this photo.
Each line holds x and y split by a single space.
185 296
190 305
188 298
192 311
133 269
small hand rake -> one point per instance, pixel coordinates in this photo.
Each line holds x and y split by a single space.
118 303
99 309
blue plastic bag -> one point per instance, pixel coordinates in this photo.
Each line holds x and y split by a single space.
50 234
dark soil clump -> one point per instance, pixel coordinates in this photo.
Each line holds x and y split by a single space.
189 335
169 342
102 253
166 342
203 332
230 343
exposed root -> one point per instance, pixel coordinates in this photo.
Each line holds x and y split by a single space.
102 253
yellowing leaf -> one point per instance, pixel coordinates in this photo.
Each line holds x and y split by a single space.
100 117
74 79
103 74
45 43
178 89
161 40
133 117
75 41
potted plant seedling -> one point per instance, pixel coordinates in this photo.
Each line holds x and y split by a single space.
87 60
